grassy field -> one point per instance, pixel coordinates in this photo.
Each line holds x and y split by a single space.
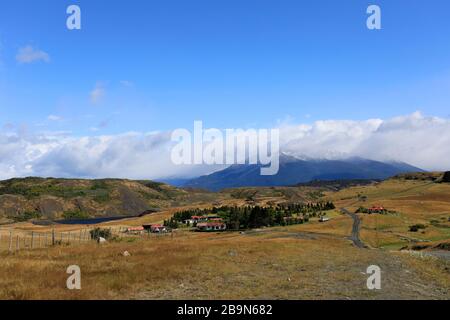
413 202
308 261
278 263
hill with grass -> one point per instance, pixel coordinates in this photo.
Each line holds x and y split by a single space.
49 198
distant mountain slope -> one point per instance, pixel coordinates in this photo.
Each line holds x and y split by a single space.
22 199
294 171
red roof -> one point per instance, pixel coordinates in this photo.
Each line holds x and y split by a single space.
136 229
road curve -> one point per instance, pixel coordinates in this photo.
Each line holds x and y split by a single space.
355 229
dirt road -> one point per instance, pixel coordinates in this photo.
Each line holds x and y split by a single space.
355 229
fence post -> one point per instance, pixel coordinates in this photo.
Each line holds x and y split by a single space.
32 239
10 241
18 243
53 237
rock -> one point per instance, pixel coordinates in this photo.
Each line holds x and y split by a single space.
126 254
101 240
232 253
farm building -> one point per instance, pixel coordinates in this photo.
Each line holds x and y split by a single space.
155 228
196 219
199 219
376 209
135 230
211 226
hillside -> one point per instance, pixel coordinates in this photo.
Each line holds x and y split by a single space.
294 171
281 262
411 200
24 199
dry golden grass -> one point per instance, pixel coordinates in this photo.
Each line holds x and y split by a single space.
309 261
415 202
279 263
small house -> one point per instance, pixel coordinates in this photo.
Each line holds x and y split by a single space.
196 219
158 228
155 228
135 230
211 226
376 209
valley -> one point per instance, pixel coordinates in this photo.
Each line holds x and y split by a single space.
313 260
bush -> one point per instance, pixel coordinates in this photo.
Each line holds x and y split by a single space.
75 214
171 223
362 210
416 227
27 215
98 233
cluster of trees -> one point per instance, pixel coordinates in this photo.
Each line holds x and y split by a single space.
98 233
171 223
248 217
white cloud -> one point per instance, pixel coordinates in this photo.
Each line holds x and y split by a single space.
53 117
97 94
127 83
415 139
29 54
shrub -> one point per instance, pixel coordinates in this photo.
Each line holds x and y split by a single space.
75 214
362 210
416 227
27 215
171 223
100 233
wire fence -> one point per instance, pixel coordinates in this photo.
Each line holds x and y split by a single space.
14 240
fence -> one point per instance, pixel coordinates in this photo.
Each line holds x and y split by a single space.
14 240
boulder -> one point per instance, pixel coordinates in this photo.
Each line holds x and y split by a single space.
101 240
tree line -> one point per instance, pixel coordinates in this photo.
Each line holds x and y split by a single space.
248 217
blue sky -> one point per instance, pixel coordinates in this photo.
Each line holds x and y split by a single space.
160 65
101 101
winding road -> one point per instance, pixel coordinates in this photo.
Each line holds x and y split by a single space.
355 229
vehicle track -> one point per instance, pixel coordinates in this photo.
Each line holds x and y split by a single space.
354 237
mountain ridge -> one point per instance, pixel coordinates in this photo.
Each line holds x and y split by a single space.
294 171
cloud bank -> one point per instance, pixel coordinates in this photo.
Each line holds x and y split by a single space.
415 139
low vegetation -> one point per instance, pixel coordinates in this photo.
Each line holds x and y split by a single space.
26 216
75 215
417 227
98 233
